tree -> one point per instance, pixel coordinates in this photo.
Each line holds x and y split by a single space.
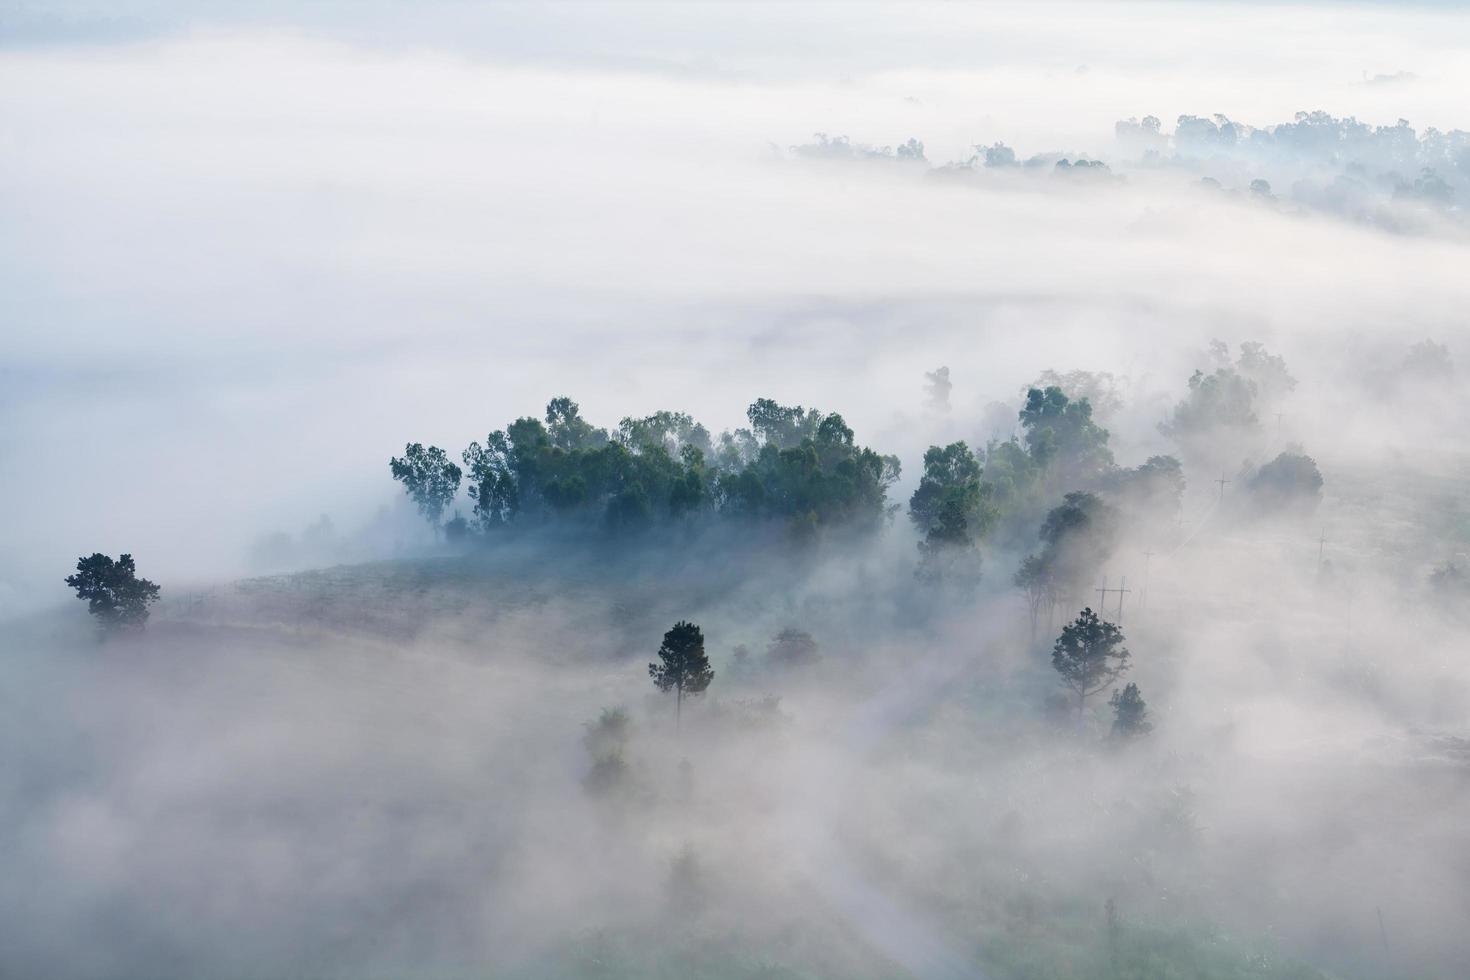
1130 713
492 480
1077 536
1218 416
1034 578
114 593
1061 436
684 667
429 479
1090 656
606 740
1289 483
952 508
938 386
567 429
792 648
1265 370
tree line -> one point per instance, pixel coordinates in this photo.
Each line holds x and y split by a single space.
793 465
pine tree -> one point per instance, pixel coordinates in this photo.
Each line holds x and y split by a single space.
684 667
1130 713
1090 656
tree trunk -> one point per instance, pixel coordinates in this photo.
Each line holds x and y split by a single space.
678 706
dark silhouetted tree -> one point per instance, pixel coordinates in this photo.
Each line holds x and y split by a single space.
429 479
683 666
1130 713
1090 656
114 593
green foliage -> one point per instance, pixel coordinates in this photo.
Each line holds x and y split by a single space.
952 508
794 465
1077 538
1224 400
1149 495
1130 713
115 595
1289 483
780 425
567 430
825 480
492 485
429 479
1089 656
683 666
1098 388
1061 436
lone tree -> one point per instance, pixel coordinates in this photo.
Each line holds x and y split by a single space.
684 667
114 593
1090 656
429 479
1130 713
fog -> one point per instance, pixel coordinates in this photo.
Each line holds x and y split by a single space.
247 255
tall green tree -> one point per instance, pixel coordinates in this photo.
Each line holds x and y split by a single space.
429 479
492 486
952 508
683 665
1062 438
114 593
1089 656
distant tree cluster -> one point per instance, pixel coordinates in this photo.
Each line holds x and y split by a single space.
793 465
1060 452
1219 420
1386 176
825 147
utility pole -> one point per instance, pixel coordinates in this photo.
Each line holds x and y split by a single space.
1222 481
1143 595
1321 546
1103 597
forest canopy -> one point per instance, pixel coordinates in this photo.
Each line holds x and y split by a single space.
793 465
